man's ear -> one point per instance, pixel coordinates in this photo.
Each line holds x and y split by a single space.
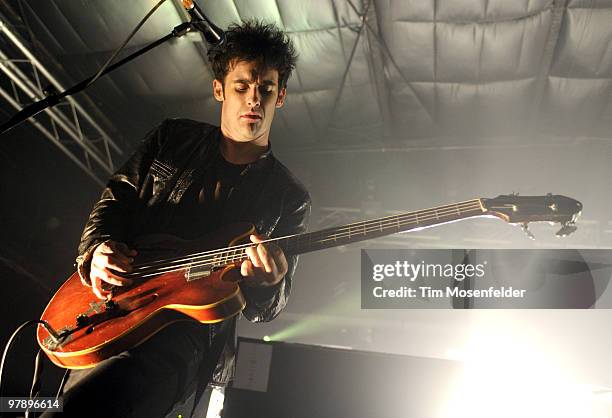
218 90
280 100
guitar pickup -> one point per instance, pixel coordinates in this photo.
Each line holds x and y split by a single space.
198 272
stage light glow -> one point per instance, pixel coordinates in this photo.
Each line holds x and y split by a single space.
508 376
324 318
308 326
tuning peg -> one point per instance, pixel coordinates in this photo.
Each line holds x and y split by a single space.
566 229
525 228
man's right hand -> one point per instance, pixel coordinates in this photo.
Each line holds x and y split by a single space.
109 258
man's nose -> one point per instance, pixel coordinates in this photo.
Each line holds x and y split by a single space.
254 98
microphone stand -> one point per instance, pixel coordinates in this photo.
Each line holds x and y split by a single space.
54 98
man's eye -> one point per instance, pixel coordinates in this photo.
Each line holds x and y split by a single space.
241 88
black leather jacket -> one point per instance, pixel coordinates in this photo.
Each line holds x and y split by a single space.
139 198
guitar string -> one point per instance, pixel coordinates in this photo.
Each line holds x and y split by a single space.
237 253
222 261
339 232
219 254
465 206
240 255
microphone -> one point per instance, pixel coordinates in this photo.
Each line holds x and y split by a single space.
213 34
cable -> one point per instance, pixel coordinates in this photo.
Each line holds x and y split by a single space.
130 36
60 390
38 364
8 345
38 368
35 388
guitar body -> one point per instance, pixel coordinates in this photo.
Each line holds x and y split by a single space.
150 304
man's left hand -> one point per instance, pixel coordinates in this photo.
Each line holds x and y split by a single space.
266 265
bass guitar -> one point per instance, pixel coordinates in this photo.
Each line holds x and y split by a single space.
177 279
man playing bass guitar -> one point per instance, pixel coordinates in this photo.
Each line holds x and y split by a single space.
187 179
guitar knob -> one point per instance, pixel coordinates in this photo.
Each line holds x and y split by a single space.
82 320
110 305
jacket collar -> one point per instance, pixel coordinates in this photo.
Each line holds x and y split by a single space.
262 161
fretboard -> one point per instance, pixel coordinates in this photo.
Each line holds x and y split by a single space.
366 230
326 238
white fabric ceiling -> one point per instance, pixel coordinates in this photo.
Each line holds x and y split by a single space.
445 70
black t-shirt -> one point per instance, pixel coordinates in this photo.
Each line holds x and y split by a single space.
201 206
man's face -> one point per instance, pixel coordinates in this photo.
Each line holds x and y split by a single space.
250 97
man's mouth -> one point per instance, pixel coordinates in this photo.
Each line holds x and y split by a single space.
251 117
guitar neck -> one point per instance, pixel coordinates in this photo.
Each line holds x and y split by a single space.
366 230
510 208
325 238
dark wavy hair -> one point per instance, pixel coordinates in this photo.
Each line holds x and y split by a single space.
254 41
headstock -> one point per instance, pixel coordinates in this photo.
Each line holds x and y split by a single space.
521 210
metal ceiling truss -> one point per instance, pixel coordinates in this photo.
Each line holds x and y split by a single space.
377 70
558 10
368 22
358 30
68 125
